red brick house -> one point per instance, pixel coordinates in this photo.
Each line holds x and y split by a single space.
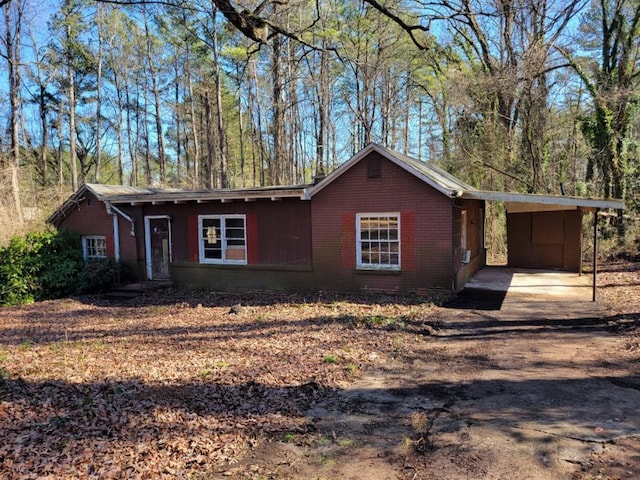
380 222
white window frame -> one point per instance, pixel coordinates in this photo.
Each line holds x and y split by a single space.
90 239
359 241
222 233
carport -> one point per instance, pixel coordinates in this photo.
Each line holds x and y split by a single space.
545 231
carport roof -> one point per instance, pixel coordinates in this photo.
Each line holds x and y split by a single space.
526 202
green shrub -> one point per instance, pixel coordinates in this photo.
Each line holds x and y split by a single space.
60 261
18 273
100 274
47 265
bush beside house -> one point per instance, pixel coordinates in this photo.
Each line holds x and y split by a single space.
46 265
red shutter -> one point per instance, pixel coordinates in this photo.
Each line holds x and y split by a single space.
408 241
252 239
111 246
348 240
193 239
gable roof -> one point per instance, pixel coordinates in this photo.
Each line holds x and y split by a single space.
451 186
434 176
430 174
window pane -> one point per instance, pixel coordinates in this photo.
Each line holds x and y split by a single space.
213 253
379 241
211 231
210 222
234 223
235 233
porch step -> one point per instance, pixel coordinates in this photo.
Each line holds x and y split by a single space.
135 290
121 295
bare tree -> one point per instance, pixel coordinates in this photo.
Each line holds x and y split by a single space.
13 15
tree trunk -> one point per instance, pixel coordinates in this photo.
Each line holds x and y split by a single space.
116 80
13 61
194 130
177 118
278 114
72 115
156 100
210 141
98 160
60 125
222 143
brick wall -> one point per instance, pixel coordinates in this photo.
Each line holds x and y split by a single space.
91 218
280 230
426 230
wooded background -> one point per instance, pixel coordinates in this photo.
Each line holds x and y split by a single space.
538 96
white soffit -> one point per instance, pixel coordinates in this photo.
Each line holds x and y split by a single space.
539 203
517 207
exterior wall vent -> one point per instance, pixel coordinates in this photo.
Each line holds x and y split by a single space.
374 168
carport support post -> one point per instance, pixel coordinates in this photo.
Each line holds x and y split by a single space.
595 254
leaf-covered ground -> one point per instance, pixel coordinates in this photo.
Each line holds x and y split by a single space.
181 385
176 384
619 291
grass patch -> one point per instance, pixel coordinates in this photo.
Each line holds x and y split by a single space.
346 442
351 368
330 359
289 437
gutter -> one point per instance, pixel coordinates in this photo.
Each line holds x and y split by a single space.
115 211
130 219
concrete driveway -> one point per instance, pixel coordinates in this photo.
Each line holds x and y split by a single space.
533 285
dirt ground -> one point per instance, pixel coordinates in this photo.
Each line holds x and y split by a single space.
529 391
186 385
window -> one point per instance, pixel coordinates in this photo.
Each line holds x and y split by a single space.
94 247
222 239
378 241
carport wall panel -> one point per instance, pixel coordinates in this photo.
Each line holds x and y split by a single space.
425 228
545 239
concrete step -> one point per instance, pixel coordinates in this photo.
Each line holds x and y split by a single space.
122 295
134 290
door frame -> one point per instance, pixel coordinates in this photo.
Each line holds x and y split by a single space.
147 241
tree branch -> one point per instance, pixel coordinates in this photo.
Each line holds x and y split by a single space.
410 29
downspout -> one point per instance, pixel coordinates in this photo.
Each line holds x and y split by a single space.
116 237
130 219
595 254
115 211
